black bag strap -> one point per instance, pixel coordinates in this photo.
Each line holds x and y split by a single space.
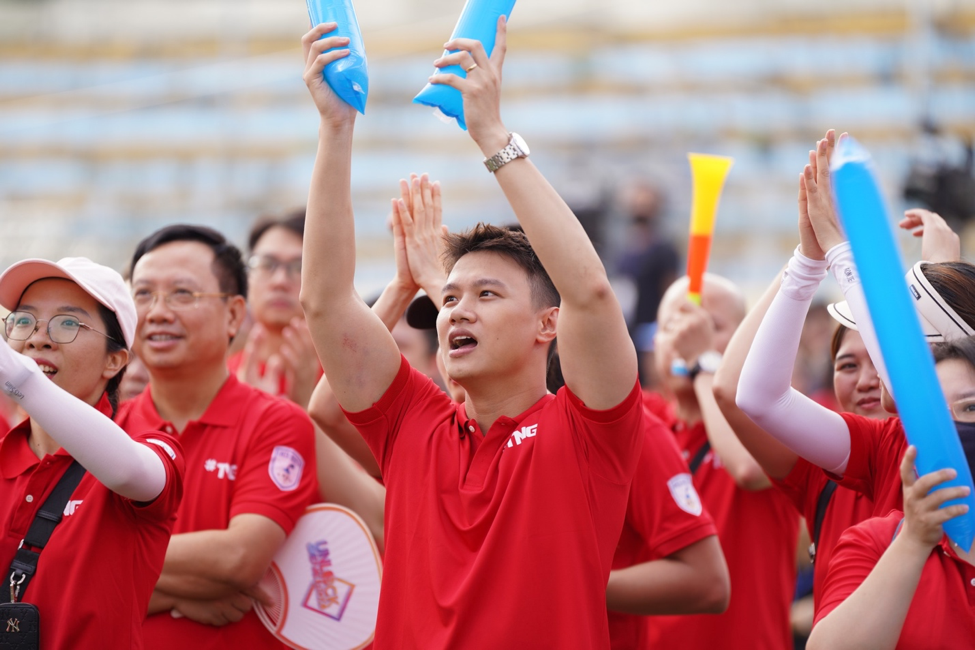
824 497
699 457
48 516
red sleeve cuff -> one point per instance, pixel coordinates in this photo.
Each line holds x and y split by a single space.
685 538
377 410
611 414
282 518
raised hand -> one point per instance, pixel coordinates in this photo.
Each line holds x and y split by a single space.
404 279
692 332
808 244
481 89
332 109
939 243
923 514
249 371
420 213
15 368
300 361
819 194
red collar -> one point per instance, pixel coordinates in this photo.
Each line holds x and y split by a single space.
223 411
16 456
467 425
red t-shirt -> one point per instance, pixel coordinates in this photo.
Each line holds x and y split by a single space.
942 613
96 574
758 532
663 515
846 508
874 469
249 453
501 540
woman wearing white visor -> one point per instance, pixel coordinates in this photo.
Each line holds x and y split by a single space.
90 569
862 454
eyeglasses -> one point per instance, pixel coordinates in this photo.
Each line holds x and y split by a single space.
63 328
267 266
177 299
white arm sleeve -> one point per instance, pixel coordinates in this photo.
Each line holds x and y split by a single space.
840 258
121 464
765 392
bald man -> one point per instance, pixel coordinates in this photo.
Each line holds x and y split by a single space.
757 526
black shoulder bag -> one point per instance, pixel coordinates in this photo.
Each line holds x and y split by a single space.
699 457
20 623
821 504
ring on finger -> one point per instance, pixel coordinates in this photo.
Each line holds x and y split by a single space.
468 70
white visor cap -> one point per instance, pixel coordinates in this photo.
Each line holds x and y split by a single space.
939 321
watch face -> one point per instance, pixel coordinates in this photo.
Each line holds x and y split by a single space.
519 142
710 361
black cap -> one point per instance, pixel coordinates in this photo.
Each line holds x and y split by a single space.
422 313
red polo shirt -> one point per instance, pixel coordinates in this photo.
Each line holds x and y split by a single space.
249 453
758 533
501 540
942 613
846 508
874 469
664 514
96 574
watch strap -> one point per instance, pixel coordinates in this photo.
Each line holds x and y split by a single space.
506 155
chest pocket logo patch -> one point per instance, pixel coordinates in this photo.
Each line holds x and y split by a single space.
285 468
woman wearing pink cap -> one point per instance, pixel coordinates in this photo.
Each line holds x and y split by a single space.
90 569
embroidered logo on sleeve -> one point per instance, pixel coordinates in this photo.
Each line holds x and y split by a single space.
285 468
71 507
685 496
159 443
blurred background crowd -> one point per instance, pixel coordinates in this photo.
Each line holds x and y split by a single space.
117 117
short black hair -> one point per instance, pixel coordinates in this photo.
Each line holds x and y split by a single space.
293 220
228 264
510 243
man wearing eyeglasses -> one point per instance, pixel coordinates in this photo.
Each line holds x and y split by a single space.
188 284
279 356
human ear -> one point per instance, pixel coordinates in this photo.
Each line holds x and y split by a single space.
547 324
114 362
236 313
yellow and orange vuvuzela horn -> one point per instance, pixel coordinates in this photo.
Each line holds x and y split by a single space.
707 175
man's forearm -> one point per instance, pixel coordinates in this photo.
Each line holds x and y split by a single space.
392 303
555 234
329 225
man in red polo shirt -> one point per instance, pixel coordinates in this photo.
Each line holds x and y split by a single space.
502 514
757 526
250 457
279 357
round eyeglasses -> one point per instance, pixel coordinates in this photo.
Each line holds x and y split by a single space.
267 265
63 328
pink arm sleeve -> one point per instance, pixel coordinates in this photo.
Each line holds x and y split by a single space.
126 467
765 392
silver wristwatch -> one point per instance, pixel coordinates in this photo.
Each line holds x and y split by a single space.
707 362
517 148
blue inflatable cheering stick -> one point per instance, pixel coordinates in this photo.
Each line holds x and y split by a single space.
478 21
920 401
349 76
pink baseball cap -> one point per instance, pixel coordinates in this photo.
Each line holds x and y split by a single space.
100 282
